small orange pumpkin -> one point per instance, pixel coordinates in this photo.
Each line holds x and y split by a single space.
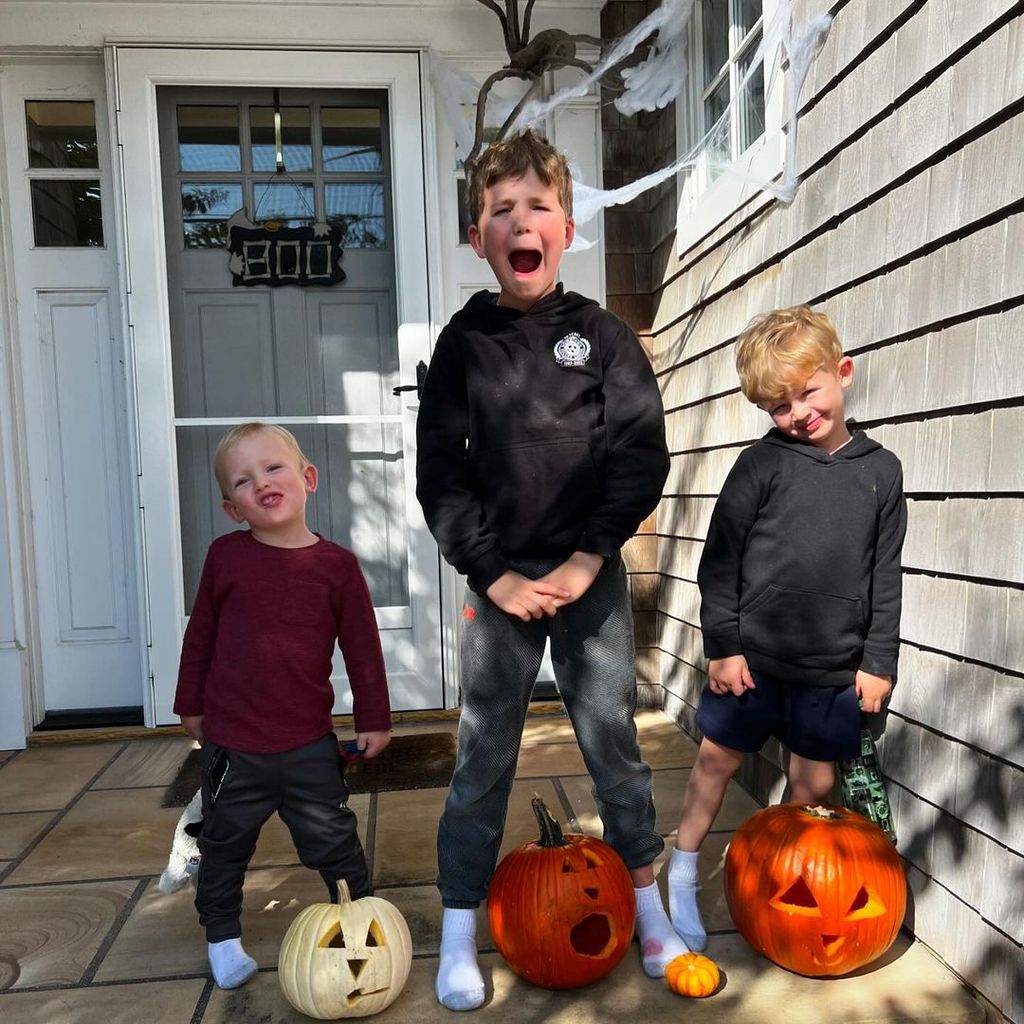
817 890
562 908
692 975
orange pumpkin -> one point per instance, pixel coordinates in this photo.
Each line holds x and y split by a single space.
561 909
692 975
817 890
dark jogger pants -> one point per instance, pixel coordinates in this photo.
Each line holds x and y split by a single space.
306 788
592 654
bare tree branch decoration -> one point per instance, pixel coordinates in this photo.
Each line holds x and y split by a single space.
529 60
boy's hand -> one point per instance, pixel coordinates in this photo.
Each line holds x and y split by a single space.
372 743
574 576
730 675
525 598
193 725
872 690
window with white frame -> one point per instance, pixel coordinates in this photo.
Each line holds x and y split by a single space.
731 120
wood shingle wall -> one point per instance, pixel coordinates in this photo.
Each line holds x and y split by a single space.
909 231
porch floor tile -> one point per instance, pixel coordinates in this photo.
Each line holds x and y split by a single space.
86 937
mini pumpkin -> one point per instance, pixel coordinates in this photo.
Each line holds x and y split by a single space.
817 890
562 908
345 959
692 975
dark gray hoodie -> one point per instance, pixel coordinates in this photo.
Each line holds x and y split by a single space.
801 569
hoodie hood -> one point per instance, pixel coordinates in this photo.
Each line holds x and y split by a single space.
857 447
482 312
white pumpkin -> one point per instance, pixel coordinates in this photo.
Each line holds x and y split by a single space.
345 959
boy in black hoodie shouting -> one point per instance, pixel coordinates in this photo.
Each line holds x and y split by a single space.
800 585
541 448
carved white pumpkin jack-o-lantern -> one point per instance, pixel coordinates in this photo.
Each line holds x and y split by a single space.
345 959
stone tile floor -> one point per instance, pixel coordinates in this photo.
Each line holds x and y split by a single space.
86 938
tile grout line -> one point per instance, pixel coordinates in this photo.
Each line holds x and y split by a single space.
203 1002
112 933
61 813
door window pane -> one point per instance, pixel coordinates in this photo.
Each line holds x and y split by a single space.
61 134
67 213
359 209
205 211
295 139
208 138
291 205
351 139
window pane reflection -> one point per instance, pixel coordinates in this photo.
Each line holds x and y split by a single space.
749 11
61 134
208 139
351 139
291 205
716 37
751 98
205 210
359 209
67 213
295 138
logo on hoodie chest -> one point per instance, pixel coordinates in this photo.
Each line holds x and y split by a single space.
572 350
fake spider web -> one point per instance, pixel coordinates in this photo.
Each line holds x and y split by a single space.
650 85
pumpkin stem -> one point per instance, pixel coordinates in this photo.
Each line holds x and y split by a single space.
550 830
821 812
344 896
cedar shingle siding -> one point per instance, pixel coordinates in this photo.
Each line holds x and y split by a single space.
909 232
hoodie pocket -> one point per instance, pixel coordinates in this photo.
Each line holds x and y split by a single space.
536 494
804 627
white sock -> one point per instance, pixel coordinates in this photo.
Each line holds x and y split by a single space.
231 965
682 900
659 943
459 985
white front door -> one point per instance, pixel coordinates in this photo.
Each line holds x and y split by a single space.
321 360
86 642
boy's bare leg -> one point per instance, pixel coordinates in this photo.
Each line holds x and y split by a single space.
810 782
705 791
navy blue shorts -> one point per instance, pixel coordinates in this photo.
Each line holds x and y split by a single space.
821 723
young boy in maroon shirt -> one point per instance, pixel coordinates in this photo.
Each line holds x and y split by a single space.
254 685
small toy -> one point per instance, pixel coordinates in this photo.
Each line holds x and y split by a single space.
183 862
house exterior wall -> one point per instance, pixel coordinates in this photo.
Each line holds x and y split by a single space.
41 33
908 230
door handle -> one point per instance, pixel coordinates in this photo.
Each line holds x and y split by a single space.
421 376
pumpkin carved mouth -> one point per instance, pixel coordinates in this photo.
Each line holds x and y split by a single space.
591 936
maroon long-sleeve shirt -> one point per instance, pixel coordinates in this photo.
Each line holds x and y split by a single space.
256 658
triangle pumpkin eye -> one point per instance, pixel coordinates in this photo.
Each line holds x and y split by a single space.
865 904
797 899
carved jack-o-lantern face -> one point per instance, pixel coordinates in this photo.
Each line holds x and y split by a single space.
561 910
349 959
819 891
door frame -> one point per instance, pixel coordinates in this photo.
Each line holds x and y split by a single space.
134 73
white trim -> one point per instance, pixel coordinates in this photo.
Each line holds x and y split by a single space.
703 207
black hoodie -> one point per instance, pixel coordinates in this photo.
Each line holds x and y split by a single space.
539 433
801 569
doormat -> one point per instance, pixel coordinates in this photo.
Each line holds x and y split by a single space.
420 761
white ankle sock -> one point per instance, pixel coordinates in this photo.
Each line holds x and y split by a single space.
459 985
231 965
659 943
682 900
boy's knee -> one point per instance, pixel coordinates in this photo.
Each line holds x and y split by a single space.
715 759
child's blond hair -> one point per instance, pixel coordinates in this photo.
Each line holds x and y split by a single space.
242 431
781 349
512 158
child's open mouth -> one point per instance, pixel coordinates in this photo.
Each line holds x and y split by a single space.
524 261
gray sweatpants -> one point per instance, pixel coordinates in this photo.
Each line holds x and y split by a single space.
593 656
